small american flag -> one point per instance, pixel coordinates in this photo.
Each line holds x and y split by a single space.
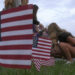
41 50
16 37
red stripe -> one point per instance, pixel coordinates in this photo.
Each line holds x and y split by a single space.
14 28
16 66
44 48
24 17
44 45
44 41
41 55
16 47
30 6
45 38
17 57
17 37
40 51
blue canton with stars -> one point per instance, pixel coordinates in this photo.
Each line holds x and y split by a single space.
35 41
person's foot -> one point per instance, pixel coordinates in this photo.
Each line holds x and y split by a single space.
69 62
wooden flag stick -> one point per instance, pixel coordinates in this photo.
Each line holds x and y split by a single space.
18 72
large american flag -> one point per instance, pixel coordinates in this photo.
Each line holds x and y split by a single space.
41 51
16 37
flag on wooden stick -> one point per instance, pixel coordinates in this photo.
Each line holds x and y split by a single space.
16 37
41 50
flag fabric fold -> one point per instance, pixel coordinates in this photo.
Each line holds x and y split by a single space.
50 62
37 63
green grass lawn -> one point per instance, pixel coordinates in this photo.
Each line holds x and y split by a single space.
60 68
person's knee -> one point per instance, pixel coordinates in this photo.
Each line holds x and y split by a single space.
61 44
53 52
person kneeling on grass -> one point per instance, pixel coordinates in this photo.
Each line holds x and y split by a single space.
66 41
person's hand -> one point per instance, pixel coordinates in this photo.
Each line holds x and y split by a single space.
41 25
45 34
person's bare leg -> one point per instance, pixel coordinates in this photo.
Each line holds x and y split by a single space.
72 49
64 47
57 54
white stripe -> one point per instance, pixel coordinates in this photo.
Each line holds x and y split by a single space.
44 46
15 14
17 23
38 49
41 56
49 44
15 52
45 40
40 53
16 42
17 32
15 62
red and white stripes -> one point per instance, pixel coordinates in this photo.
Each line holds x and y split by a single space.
43 49
16 37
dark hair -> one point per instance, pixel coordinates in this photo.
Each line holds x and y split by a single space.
35 7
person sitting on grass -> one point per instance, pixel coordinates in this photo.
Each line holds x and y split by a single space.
66 41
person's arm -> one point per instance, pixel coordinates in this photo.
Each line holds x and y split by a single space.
38 23
71 40
36 28
41 26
